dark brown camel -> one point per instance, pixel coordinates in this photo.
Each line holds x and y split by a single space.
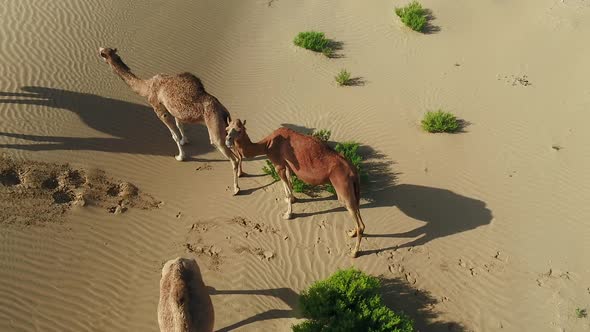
311 160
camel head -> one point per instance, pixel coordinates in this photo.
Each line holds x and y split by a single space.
110 56
107 53
235 130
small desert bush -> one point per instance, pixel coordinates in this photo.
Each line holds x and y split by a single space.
343 77
413 15
314 41
581 313
349 300
322 134
269 169
347 149
440 122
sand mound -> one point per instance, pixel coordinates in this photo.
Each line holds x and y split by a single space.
36 192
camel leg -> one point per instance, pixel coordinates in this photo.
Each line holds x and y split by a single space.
168 120
346 193
183 138
290 185
239 158
240 170
356 215
358 212
358 231
220 145
216 129
282 171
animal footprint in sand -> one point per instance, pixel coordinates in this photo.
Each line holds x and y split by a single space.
517 80
212 253
552 275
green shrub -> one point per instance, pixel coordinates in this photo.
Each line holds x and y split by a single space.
440 122
314 41
343 77
350 151
269 169
349 300
413 15
322 134
300 186
347 149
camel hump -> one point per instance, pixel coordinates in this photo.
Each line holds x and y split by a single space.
285 131
194 80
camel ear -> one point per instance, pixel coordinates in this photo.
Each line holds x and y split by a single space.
114 50
244 123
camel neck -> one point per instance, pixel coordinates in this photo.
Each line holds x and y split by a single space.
250 149
138 85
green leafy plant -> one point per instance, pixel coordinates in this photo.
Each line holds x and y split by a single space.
440 122
413 15
269 169
343 78
322 134
581 313
349 300
300 186
314 41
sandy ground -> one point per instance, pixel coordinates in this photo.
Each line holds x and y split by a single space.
485 230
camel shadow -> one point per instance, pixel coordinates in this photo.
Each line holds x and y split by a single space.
133 128
400 296
397 294
246 192
443 212
287 295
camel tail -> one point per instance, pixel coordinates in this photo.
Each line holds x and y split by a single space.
357 189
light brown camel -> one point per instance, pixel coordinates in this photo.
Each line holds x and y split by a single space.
185 304
179 99
313 161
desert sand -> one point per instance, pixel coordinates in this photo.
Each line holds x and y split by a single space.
484 230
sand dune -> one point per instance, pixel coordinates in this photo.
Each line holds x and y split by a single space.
485 230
